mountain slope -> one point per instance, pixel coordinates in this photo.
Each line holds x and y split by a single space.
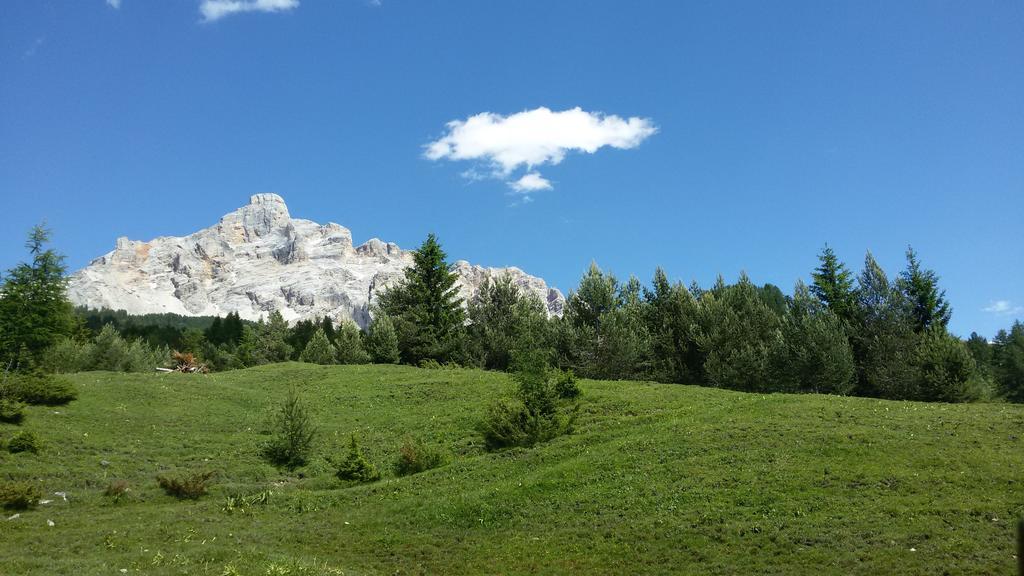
258 259
656 479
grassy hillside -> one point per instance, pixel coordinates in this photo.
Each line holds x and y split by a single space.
656 479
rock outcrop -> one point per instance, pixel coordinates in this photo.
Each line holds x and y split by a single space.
258 259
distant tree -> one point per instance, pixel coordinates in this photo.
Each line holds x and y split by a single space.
232 328
503 319
944 368
350 344
920 287
265 342
819 358
774 298
382 340
215 333
833 285
34 309
596 295
1008 362
301 333
328 327
319 349
741 337
885 344
671 316
426 308
982 353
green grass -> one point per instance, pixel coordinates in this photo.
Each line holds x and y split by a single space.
656 479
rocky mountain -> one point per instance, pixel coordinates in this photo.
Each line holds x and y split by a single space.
258 259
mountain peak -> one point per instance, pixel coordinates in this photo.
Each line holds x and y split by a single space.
259 259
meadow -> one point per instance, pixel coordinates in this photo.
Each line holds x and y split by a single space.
655 479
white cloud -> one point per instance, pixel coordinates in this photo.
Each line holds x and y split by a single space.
534 138
217 9
115 4
1003 308
530 182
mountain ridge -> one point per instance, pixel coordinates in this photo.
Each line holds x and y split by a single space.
258 259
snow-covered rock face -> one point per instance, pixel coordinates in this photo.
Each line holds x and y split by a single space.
259 259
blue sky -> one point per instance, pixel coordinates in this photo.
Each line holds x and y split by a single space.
776 127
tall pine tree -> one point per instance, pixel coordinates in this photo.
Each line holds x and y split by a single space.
34 309
921 288
833 285
426 308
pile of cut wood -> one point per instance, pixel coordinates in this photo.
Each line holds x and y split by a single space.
186 362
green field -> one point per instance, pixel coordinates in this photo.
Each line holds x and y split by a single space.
657 478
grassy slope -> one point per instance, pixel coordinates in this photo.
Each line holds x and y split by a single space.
657 479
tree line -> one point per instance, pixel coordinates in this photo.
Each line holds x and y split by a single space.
865 334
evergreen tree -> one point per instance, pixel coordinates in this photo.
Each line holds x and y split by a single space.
350 344
981 351
301 333
921 289
426 308
266 342
1008 362
382 341
328 327
819 357
215 333
833 285
885 344
741 337
232 328
34 309
503 319
671 316
319 349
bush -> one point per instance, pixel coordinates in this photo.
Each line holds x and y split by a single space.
945 369
566 385
67 356
11 411
415 457
19 495
117 490
24 441
510 423
294 433
40 388
534 416
355 466
191 486
110 351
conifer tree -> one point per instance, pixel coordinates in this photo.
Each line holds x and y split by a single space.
319 349
350 344
833 285
382 341
921 289
502 320
34 309
426 308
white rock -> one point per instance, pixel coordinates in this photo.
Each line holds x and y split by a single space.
258 259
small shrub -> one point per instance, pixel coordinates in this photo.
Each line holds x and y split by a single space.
191 486
415 456
19 495
355 466
566 385
534 415
510 423
11 411
117 489
294 433
430 364
41 389
24 441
